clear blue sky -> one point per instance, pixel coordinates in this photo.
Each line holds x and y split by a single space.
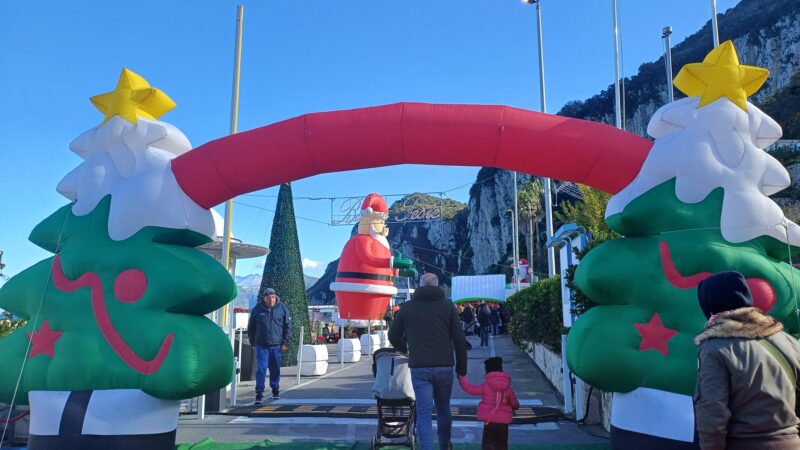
299 57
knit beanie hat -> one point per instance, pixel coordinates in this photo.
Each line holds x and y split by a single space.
724 291
494 364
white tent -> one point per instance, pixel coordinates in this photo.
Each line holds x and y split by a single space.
479 287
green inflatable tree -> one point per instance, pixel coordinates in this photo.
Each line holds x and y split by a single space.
116 333
106 314
283 271
698 206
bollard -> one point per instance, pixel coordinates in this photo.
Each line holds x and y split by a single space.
238 372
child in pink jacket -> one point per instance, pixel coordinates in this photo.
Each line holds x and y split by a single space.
497 404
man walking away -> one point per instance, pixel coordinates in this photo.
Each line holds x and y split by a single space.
430 325
495 318
467 318
484 320
270 327
746 394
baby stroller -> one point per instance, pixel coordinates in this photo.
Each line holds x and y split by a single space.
397 411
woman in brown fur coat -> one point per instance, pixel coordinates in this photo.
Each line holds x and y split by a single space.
746 395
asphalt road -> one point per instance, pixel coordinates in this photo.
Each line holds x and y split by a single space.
336 407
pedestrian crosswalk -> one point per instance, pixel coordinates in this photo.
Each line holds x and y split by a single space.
459 424
363 401
466 412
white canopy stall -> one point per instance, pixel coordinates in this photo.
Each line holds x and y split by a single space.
491 288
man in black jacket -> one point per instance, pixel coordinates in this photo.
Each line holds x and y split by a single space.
432 331
467 317
269 329
485 321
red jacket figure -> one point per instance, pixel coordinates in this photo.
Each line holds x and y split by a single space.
498 401
365 277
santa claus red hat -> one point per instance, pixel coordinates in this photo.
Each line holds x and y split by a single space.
375 204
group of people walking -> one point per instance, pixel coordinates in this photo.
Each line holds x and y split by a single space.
429 328
483 319
746 394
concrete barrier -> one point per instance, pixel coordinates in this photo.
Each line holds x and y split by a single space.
349 350
315 360
369 343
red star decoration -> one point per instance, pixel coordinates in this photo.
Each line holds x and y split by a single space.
43 340
655 335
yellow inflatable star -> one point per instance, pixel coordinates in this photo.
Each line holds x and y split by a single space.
721 75
133 97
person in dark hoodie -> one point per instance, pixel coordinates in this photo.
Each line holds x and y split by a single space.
485 321
428 329
269 329
746 394
497 405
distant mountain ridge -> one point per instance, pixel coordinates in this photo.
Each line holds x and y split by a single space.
247 289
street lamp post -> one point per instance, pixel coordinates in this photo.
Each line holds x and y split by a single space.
548 201
516 232
714 24
665 33
617 100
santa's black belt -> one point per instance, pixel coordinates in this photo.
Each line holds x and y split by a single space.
364 276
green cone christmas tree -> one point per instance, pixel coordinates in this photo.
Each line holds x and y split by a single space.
283 271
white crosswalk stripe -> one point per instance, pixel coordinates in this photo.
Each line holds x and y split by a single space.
544 426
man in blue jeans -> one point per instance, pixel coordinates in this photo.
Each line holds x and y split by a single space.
269 329
429 330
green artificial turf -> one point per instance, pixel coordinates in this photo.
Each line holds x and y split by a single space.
210 444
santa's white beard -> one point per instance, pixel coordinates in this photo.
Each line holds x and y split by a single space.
378 236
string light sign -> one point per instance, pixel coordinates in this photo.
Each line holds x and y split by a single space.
414 208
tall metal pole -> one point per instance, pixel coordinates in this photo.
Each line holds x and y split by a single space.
548 201
228 316
530 247
665 33
714 24
237 63
617 106
515 228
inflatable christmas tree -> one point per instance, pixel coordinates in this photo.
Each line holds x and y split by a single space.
698 206
116 333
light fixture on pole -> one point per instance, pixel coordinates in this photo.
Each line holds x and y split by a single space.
665 33
617 100
548 201
515 246
2 266
714 24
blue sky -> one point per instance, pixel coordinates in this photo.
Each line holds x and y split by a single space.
298 57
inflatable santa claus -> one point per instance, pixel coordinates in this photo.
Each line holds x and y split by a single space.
365 277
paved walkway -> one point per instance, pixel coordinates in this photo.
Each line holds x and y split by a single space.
337 407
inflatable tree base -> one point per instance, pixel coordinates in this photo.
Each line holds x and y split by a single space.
652 419
119 419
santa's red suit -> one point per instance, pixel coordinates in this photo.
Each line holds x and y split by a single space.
365 278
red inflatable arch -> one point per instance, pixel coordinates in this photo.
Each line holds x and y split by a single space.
411 133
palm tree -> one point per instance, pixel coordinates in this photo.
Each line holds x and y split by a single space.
530 208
